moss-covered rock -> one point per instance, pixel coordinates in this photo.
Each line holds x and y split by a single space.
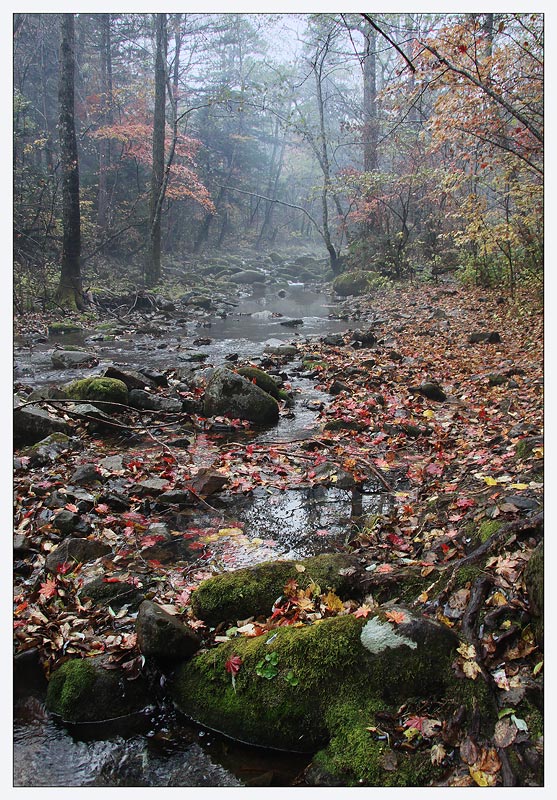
55 328
261 379
351 283
232 395
293 683
82 690
252 590
98 391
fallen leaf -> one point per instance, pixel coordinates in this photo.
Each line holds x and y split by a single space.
395 616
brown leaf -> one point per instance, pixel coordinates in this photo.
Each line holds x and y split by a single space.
469 751
505 733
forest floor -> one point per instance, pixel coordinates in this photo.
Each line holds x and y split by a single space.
450 429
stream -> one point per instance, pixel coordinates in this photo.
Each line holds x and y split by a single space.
158 748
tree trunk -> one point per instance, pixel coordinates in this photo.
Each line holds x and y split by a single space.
153 264
104 145
370 100
69 293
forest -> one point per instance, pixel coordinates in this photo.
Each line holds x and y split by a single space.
278 399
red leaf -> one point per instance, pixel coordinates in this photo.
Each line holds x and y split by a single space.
48 588
71 507
233 665
102 508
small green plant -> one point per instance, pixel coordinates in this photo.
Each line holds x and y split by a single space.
268 666
291 678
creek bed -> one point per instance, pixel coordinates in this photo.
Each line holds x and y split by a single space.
293 523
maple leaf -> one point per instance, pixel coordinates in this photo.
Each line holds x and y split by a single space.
332 602
48 588
363 611
395 616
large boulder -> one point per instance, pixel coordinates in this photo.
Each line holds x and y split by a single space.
91 690
231 395
241 593
32 424
293 685
351 283
162 636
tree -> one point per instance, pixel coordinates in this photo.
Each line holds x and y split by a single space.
153 263
69 293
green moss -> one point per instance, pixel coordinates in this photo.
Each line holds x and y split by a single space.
354 757
253 590
324 690
103 390
351 283
69 685
63 327
488 528
466 576
311 364
261 379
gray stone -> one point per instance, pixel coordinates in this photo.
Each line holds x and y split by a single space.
86 474
115 594
69 359
132 378
145 401
162 636
76 550
32 424
65 521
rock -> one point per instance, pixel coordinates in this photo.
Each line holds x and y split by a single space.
32 424
97 421
76 550
65 521
116 594
158 378
162 636
149 486
351 283
431 390
180 497
292 323
248 276
101 392
364 338
336 387
253 590
84 690
496 379
131 378
261 379
534 580
138 398
334 340
484 337
47 450
277 348
276 258
28 674
229 394
86 474
70 359
323 677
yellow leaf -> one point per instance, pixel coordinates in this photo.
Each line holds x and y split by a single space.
467 650
471 669
482 778
300 568
429 414
333 602
257 541
423 597
490 481
519 486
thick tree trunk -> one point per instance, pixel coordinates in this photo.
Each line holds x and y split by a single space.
69 293
153 264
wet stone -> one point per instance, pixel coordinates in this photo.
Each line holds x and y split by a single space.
78 550
86 474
